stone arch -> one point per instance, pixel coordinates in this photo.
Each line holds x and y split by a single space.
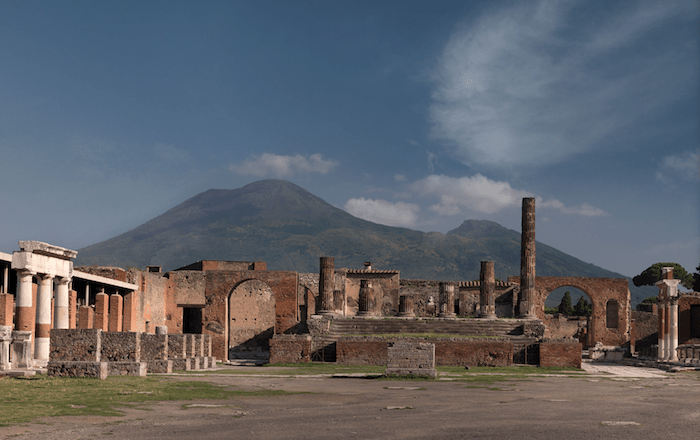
599 291
250 322
570 327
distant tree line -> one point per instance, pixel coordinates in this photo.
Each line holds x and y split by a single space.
582 307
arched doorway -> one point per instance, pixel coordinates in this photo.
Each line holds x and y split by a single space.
568 318
251 321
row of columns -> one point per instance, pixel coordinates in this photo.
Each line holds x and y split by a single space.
668 316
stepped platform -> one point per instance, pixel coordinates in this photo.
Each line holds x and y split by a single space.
354 326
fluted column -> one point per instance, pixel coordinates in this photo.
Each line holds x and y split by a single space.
43 319
326 286
527 260
447 300
487 290
25 317
366 299
60 307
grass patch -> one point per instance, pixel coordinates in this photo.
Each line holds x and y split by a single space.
22 401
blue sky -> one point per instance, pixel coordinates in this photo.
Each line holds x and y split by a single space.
415 114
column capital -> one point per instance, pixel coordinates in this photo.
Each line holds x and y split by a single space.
63 280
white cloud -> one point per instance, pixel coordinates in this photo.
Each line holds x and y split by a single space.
685 165
481 194
284 166
531 85
386 213
399 177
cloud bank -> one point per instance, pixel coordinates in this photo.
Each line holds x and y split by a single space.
540 82
685 166
284 166
383 212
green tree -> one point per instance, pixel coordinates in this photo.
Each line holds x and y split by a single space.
565 307
696 279
582 307
652 274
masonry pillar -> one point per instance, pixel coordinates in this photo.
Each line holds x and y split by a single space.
447 300
43 320
101 311
406 306
667 332
527 260
5 279
87 294
24 314
61 318
130 302
6 309
86 318
116 308
366 299
5 341
326 286
487 290
72 308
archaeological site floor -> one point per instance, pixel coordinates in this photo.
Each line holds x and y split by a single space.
607 402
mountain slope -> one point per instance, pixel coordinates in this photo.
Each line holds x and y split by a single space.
289 228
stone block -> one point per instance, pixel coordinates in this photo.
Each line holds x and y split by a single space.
75 345
22 350
181 364
176 346
77 369
127 368
411 358
153 347
121 346
159 366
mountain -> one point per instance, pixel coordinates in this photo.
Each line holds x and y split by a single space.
289 228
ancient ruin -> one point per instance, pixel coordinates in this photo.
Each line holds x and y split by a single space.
250 314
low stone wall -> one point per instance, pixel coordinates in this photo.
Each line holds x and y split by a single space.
560 354
94 353
448 352
290 349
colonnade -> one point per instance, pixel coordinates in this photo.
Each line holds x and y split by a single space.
668 315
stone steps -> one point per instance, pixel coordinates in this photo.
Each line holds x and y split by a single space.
341 327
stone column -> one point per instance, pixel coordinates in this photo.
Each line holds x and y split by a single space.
5 279
487 291
72 308
667 331
87 294
366 299
5 341
527 260
673 334
662 326
61 319
447 300
326 285
406 306
24 314
42 331
130 313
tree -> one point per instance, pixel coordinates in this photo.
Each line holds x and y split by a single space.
565 307
652 274
696 279
582 307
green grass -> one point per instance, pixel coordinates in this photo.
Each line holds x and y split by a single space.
23 400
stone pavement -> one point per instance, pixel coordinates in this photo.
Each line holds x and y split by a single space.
612 402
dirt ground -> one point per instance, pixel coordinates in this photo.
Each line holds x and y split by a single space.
613 402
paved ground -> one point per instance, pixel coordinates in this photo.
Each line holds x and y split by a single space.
613 402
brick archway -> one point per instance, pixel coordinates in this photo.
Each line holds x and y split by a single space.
599 291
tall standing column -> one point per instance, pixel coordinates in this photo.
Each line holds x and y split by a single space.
24 315
673 336
326 286
60 308
447 300
662 326
527 260
5 278
487 290
667 331
43 319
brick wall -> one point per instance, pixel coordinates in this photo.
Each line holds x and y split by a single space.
560 354
646 329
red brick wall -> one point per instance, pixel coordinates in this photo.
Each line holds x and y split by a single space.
361 352
560 354
684 304
6 307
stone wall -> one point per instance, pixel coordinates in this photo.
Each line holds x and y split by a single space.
560 354
561 327
411 358
76 345
685 324
361 352
153 347
646 330
290 349
121 346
